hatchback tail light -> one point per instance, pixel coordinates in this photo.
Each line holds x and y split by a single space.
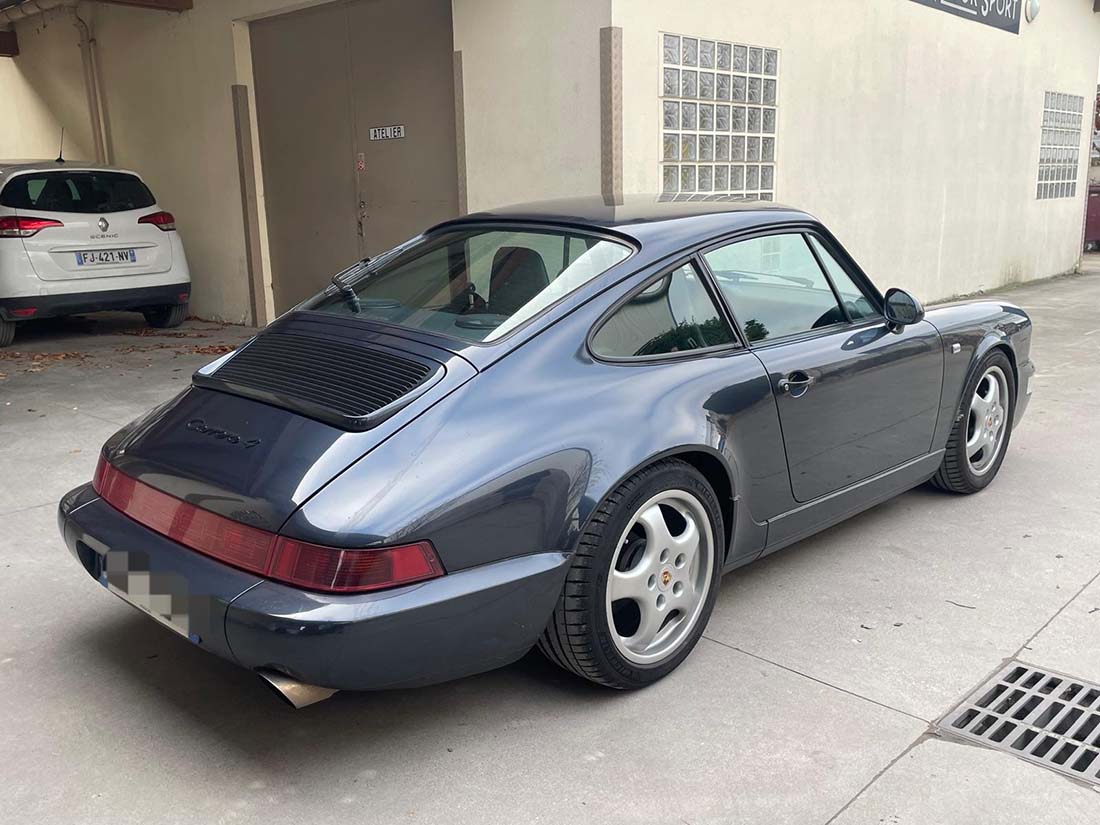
12 226
164 221
304 565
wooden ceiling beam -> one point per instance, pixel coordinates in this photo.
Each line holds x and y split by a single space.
159 5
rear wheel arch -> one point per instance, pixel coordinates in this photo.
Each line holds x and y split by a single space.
710 463
717 473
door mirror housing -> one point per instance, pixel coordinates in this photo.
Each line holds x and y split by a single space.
902 309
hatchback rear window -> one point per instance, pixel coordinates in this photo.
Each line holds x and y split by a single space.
86 192
476 284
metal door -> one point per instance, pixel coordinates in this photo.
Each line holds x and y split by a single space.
300 64
325 77
402 78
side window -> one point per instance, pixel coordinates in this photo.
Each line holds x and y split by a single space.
859 308
674 314
774 286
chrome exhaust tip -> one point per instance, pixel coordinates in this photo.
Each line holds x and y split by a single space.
295 693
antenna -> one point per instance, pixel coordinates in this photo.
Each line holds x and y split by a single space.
61 148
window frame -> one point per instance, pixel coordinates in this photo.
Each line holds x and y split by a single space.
858 277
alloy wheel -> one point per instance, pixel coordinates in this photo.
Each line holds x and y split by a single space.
988 421
660 576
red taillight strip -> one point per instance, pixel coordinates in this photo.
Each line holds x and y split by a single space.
208 533
309 566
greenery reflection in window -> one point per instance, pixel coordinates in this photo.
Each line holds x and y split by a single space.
674 314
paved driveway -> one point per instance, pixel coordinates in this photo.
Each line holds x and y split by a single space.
809 700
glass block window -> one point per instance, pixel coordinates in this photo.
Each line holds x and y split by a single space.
719 105
1060 147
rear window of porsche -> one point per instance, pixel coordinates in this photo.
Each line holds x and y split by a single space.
85 192
476 284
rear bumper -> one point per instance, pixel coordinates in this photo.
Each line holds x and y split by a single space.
463 623
48 306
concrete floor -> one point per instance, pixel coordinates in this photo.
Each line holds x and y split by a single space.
809 700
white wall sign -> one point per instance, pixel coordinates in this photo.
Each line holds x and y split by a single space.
1000 14
387 132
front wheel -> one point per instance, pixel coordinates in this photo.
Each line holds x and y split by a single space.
982 429
166 316
643 582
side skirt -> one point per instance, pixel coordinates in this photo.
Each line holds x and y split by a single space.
824 512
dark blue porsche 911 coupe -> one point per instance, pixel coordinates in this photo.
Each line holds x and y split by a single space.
557 425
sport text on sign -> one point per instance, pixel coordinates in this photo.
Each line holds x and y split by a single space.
1000 14
387 132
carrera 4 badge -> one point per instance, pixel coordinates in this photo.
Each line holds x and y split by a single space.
197 425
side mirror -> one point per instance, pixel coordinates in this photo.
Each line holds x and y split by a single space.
902 309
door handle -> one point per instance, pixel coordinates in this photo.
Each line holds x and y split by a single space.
795 384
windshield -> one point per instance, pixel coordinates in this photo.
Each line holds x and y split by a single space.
475 284
92 192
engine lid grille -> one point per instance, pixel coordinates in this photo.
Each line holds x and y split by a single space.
350 385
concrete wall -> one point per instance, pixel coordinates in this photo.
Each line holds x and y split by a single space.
532 97
43 90
913 133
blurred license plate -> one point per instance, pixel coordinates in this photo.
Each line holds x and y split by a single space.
102 257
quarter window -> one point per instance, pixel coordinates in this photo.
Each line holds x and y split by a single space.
673 314
774 286
859 308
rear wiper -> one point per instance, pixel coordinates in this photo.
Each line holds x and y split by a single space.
347 291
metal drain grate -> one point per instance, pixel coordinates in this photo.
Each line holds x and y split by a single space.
1039 715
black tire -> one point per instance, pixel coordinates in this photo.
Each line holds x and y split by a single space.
7 332
165 317
955 474
578 637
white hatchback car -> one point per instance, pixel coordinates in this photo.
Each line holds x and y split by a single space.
78 238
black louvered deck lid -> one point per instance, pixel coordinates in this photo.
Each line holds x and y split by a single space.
336 381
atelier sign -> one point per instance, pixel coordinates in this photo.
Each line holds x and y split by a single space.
387 132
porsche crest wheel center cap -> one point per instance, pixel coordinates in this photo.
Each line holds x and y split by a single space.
666 578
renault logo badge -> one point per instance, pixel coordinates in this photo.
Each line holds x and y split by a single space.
104 225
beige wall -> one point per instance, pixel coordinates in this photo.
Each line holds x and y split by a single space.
913 133
43 90
532 97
